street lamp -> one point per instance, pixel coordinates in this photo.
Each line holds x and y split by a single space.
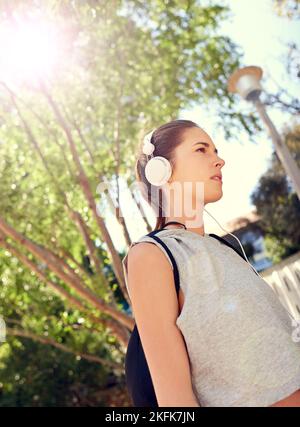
246 82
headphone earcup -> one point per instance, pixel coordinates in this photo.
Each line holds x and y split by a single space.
158 171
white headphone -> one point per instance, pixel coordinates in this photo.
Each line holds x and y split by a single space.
158 169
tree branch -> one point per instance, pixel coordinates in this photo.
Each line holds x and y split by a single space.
84 183
54 262
48 341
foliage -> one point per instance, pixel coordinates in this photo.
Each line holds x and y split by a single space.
277 203
287 8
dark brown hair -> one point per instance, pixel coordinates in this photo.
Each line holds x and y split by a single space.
165 139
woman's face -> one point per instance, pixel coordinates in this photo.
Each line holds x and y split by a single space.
197 163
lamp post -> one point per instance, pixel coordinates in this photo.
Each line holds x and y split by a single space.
246 82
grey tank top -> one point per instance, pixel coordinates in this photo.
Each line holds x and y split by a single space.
239 337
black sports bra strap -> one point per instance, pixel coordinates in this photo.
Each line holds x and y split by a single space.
222 240
226 243
175 269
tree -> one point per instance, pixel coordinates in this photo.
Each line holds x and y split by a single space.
277 203
283 98
287 8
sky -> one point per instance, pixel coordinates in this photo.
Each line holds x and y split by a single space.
262 35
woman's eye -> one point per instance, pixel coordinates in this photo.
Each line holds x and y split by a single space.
200 149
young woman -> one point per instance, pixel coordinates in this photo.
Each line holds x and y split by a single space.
229 343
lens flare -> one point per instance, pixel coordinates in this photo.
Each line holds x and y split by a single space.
29 50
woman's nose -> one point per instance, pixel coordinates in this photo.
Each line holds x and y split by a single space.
220 162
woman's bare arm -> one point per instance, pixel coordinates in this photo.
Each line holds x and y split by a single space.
155 308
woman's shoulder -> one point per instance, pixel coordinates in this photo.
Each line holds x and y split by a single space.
140 248
145 257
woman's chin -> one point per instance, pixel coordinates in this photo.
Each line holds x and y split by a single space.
214 197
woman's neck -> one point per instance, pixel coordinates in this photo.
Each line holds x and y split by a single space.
194 228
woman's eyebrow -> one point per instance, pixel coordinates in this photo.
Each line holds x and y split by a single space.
206 145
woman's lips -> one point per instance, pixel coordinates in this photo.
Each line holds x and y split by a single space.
216 178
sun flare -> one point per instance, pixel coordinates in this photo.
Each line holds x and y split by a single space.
28 51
